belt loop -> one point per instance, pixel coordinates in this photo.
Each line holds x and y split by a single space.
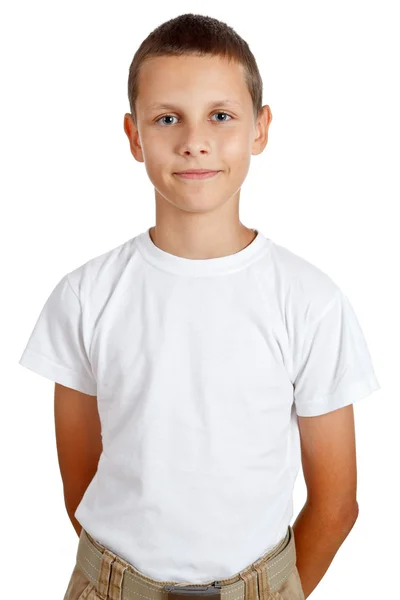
117 574
249 577
107 559
264 588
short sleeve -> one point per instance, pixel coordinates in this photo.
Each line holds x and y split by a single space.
336 368
56 348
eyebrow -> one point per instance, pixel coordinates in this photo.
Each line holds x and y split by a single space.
213 104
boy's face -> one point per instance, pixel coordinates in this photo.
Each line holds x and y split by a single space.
190 134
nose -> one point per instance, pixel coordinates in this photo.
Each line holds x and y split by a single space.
195 139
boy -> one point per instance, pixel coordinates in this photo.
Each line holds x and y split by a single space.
190 361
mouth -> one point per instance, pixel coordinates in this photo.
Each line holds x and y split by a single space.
197 174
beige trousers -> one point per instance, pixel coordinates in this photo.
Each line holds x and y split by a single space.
80 587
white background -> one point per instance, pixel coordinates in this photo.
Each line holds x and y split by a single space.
326 187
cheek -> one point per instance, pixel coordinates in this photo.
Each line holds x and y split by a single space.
235 146
153 142
237 155
156 155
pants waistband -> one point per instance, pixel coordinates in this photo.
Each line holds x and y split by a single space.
116 579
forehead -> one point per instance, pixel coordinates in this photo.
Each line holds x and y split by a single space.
166 81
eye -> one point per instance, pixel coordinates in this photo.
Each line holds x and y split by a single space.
217 113
223 113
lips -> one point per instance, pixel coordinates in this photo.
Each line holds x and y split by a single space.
197 175
199 171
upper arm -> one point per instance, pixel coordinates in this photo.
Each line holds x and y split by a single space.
328 454
78 438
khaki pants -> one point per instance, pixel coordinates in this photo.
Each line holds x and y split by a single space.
82 587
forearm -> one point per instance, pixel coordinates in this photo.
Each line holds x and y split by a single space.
318 536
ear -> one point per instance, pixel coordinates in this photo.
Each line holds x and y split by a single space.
133 136
262 125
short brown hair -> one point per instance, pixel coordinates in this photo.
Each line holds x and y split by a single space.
198 35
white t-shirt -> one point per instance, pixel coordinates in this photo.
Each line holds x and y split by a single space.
199 367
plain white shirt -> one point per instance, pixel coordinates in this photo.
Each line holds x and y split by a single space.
200 368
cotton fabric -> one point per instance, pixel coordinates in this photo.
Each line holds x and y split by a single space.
201 368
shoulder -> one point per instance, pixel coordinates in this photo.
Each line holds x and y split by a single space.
101 271
308 290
